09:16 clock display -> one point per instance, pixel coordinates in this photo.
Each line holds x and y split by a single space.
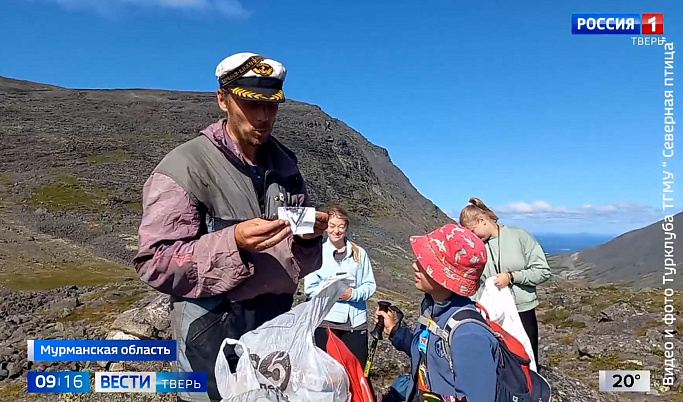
58 381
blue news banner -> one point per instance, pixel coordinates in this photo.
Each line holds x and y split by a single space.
79 381
70 350
109 350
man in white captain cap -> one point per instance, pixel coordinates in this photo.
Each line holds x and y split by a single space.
252 77
210 236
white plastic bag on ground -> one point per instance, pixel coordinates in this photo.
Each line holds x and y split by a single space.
500 305
281 355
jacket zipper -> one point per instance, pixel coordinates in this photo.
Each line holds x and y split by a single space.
214 322
265 198
249 174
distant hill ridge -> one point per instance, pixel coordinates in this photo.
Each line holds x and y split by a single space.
636 258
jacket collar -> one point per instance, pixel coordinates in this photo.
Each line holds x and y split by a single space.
446 307
329 248
272 154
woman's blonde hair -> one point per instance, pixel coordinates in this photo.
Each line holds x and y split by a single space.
474 209
339 212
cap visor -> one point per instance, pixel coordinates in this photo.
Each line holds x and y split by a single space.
258 94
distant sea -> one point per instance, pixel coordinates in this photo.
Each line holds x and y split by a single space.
559 243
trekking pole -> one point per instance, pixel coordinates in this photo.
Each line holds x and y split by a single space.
376 335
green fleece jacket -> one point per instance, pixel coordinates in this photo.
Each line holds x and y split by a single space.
520 254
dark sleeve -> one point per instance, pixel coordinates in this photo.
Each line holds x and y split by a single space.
172 257
402 339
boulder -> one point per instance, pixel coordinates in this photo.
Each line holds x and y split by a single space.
5 353
116 335
13 370
582 318
589 347
617 311
63 308
135 322
158 311
118 366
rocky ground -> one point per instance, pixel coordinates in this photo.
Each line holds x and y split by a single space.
52 289
582 330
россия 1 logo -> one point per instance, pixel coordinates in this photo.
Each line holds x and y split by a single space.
618 24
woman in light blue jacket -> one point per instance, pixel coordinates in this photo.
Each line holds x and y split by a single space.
348 317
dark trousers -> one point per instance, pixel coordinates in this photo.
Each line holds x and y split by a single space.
531 327
228 320
355 340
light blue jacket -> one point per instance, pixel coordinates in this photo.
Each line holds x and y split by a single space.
355 307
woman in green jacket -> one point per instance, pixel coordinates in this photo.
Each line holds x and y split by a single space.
515 259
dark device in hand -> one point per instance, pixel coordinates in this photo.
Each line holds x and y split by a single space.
376 336
379 328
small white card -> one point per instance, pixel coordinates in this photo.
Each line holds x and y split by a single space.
301 219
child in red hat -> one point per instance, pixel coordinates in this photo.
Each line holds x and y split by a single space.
448 264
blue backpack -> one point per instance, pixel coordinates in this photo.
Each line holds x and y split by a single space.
516 382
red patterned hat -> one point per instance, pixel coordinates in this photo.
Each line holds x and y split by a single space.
453 256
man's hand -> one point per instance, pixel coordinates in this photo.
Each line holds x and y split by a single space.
346 295
319 227
259 234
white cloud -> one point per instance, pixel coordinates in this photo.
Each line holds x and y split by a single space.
230 8
539 215
534 206
620 211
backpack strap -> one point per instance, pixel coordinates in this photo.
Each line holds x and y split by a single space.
432 326
461 316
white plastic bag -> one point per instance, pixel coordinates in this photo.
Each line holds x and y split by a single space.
286 357
500 306
247 386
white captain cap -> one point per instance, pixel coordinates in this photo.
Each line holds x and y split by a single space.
252 77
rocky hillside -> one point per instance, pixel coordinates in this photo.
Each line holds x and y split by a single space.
635 258
77 160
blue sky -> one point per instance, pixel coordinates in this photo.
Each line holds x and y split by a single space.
495 99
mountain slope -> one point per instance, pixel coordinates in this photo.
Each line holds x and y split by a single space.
636 257
79 159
